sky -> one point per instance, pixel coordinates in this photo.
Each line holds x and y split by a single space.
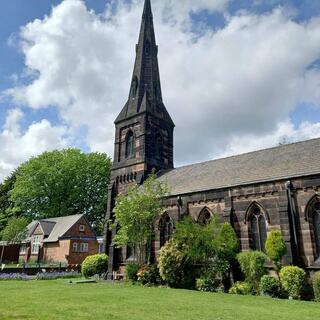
237 75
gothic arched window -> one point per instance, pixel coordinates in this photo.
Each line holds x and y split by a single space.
204 216
258 228
166 229
130 145
314 218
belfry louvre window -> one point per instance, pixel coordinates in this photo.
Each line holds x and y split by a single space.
315 218
130 145
258 229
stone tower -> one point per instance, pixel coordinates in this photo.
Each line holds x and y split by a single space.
144 129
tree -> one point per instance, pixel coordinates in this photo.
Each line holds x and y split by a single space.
14 232
197 240
5 203
276 248
227 247
135 214
62 183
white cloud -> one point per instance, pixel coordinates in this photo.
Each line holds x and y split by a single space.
239 81
284 133
18 146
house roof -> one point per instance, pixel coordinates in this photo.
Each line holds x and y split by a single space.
279 163
61 226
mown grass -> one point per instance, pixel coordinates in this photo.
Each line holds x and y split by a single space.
57 300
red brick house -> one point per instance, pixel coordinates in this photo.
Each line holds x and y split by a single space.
67 240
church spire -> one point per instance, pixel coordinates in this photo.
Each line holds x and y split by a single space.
145 91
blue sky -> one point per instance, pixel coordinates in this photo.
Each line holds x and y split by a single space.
42 114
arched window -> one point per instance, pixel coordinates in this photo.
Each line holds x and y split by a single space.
258 228
205 216
158 146
130 145
166 229
314 218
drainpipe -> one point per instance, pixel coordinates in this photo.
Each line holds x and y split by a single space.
292 216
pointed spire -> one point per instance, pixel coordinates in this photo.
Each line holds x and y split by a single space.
145 91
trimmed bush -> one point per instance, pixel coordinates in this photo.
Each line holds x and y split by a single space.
252 264
94 265
270 286
293 280
242 288
174 270
149 275
131 272
276 248
208 285
316 286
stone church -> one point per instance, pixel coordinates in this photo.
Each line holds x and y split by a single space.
256 192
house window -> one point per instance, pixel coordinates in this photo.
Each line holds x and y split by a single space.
36 242
23 248
166 229
130 145
75 247
258 229
315 221
82 228
84 247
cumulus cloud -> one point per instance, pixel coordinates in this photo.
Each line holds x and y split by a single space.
231 84
18 146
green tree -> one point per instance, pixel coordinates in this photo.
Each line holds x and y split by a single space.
61 183
135 214
197 240
227 247
5 203
14 232
276 248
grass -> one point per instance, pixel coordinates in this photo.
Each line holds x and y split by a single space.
61 301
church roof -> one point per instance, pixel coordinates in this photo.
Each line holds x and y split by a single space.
279 163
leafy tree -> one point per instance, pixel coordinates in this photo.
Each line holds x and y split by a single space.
227 247
14 232
252 264
197 240
135 214
61 183
276 248
5 203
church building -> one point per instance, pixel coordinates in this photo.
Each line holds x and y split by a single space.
277 188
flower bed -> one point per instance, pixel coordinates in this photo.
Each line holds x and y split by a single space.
13 276
57 275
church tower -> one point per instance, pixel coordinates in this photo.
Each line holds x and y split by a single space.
144 129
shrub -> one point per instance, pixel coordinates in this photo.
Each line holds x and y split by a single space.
208 285
270 286
96 264
252 264
276 248
149 274
242 288
293 280
57 275
173 268
131 271
316 286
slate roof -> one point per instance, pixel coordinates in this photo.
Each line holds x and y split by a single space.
54 228
279 163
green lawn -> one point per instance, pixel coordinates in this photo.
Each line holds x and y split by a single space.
57 300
